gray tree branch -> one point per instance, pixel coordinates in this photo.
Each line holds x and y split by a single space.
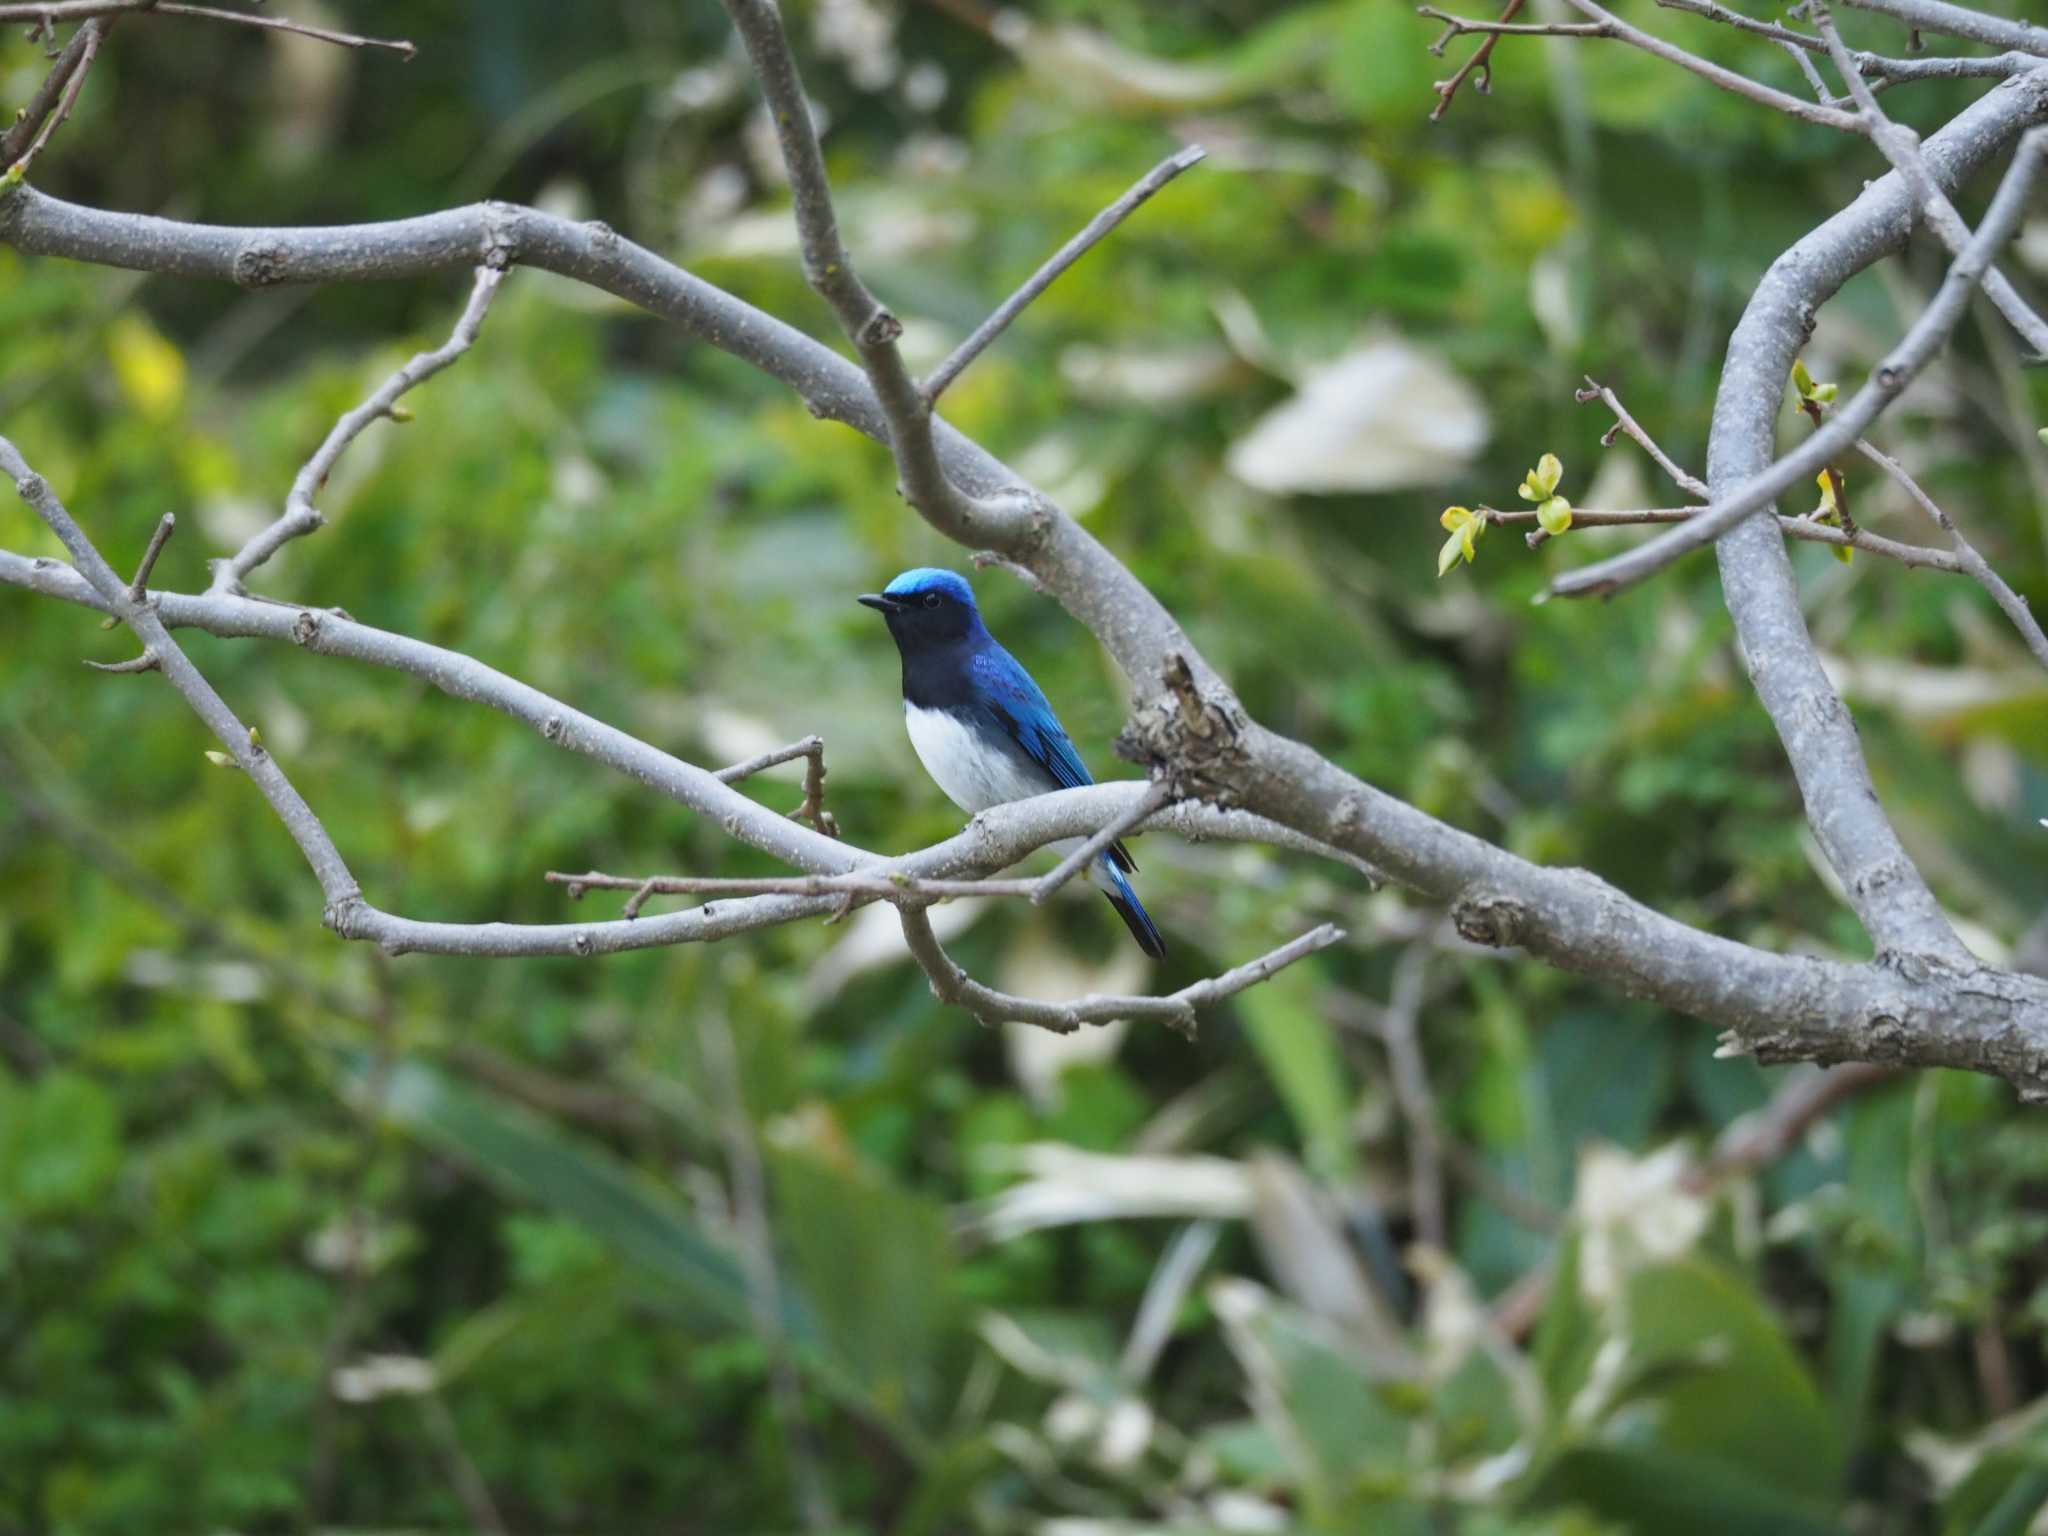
1889 895
1926 1003
1960 21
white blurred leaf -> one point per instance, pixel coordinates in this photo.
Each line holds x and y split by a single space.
1037 967
376 1376
1385 416
308 89
1632 1212
1171 1281
1072 1351
1076 479
1232 1510
1947 1461
2032 245
1553 299
1314 1390
1088 64
1065 1186
1305 1250
1159 378
1934 695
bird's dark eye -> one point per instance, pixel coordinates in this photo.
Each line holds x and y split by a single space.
931 599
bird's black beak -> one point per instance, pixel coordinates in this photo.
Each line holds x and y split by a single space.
881 602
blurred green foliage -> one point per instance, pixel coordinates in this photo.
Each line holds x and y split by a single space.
293 1235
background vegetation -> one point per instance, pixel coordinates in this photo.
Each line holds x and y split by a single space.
756 1236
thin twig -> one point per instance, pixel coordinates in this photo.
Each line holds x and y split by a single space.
812 749
300 516
166 525
1481 60
936 381
1736 19
1811 71
28 123
399 46
1691 484
1460 26
1157 795
146 662
89 38
46 11
885 886
1177 1010
1972 563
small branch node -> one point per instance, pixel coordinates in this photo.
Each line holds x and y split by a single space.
1492 918
882 328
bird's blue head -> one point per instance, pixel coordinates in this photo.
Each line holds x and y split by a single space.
926 606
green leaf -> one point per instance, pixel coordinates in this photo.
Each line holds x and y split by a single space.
1465 527
1750 1402
1540 484
1674 1495
1321 1400
1298 1049
876 1264
1454 546
60 1145
1871 1280
526 1157
1555 515
2001 1496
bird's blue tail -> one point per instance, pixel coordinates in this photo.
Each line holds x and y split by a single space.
1125 900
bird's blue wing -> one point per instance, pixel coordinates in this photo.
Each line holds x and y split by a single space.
1017 706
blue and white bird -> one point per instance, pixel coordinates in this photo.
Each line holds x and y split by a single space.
981 726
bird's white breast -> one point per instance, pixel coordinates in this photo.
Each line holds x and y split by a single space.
973 777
